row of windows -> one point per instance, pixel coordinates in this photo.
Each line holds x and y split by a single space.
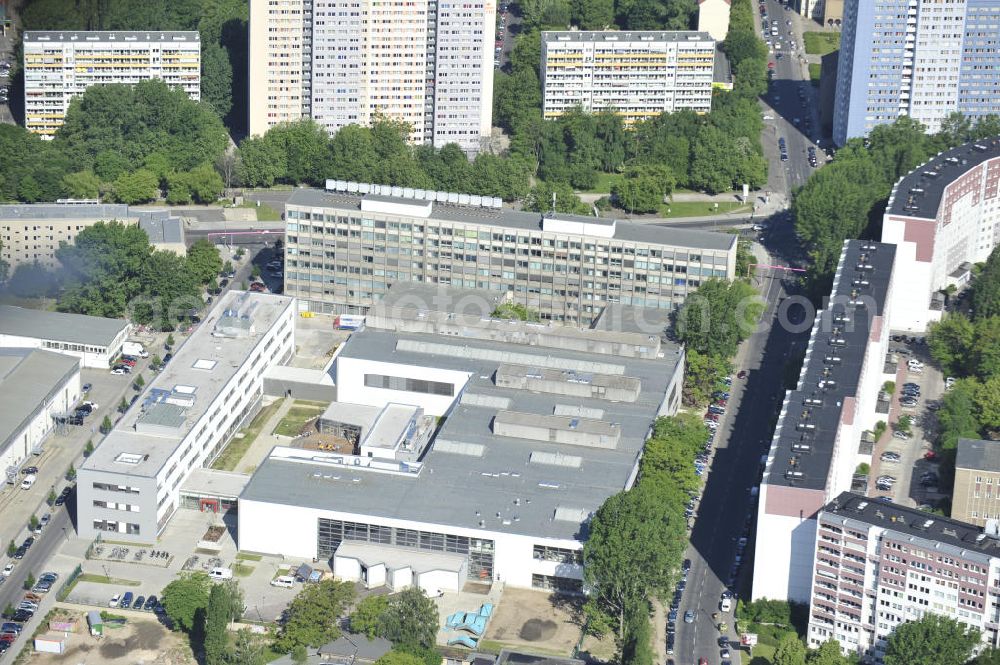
116 527
409 385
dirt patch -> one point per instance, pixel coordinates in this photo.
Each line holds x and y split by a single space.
214 534
536 619
139 642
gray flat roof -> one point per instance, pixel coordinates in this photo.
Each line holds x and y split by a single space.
802 449
26 211
516 219
625 35
211 482
111 35
919 192
978 454
494 474
29 379
161 227
221 358
59 326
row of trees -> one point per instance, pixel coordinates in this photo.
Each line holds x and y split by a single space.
222 26
124 143
111 270
605 14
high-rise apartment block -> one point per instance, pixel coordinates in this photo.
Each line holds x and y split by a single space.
637 74
921 58
976 494
58 66
428 63
345 247
878 565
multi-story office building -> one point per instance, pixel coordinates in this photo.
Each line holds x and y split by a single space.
637 74
427 63
31 233
944 216
820 437
976 494
343 250
878 565
58 66
921 58
130 485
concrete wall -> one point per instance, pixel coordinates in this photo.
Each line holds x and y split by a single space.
275 387
350 379
786 540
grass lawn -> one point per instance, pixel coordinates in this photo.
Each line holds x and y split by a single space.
265 213
604 183
762 654
237 448
814 71
700 208
104 579
297 416
240 556
821 43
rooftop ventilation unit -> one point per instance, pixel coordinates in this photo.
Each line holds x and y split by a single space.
861 282
794 475
832 360
838 341
813 401
805 427
801 447
978 147
951 160
861 506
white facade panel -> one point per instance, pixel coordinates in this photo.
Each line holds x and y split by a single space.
36 430
351 381
784 577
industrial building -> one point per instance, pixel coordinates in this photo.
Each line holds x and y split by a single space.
345 247
60 65
943 217
975 497
96 341
32 232
638 75
463 447
924 59
130 485
878 565
820 437
35 387
428 64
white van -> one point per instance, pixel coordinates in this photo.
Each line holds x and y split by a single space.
28 481
726 604
220 574
284 581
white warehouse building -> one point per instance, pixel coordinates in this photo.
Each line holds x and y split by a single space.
35 387
96 341
131 484
476 449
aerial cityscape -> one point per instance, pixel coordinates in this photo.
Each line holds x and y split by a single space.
500 332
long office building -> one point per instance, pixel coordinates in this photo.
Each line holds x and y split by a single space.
878 565
31 233
58 66
819 438
637 74
426 63
943 217
130 485
345 246
920 58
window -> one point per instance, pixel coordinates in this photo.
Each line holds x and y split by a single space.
406 384
558 584
557 554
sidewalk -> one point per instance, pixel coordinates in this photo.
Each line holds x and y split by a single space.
265 441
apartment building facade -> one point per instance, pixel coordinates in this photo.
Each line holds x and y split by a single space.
427 63
130 485
343 250
976 493
878 565
58 66
819 439
920 58
944 217
637 74
31 233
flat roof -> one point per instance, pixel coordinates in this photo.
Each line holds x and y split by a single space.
802 448
59 326
516 219
111 36
470 474
25 211
181 380
978 454
29 379
625 35
912 523
214 483
161 226
918 193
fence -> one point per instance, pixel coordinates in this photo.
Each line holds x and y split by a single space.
69 583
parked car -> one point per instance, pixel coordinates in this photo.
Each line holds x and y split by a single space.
900 435
150 603
689 617
890 457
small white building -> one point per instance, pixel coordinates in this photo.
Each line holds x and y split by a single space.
35 387
713 18
96 341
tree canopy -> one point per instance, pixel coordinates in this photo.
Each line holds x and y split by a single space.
931 640
410 620
718 316
185 600
313 615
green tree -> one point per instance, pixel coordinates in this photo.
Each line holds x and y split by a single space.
410 620
366 616
88 449
178 188
170 342
311 618
950 341
638 647
217 617
249 648
50 499
515 312
235 602
139 382
986 395
702 376
540 199
123 405
106 425
987 657
299 654
29 581
593 14
718 316
216 78
986 287
203 260
931 640
71 473
790 651
643 188
11 547
186 599
82 185
137 187
957 415
205 183
828 653
33 523
396 657
155 361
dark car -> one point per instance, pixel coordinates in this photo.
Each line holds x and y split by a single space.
126 601
21 616
167 358
87 387
224 283
28 542
29 470
742 374
150 603
10 627
139 602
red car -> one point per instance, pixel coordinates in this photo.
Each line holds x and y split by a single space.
930 456
714 417
130 363
770 65
742 374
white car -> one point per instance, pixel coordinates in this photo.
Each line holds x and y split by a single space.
115 599
92 405
119 371
8 569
